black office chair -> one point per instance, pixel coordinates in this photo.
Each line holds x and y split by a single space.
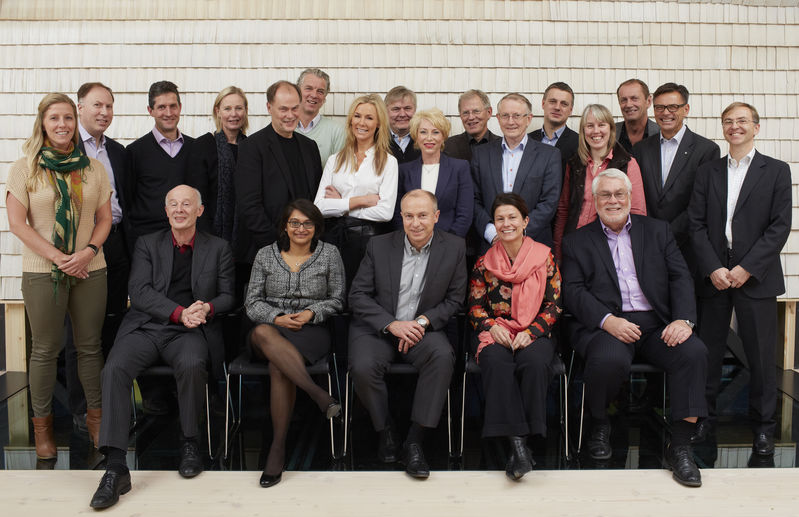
558 368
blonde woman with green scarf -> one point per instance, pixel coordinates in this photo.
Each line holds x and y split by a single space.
58 204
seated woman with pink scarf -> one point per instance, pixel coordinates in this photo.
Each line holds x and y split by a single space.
514 301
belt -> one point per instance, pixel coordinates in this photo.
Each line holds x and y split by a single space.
116 228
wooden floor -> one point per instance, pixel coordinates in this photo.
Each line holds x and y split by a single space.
639 493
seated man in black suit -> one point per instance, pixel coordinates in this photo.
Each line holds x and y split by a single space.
180 280
630 292
558 103
410 283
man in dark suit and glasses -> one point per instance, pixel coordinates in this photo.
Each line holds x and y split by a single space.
516 163
181 280
410 283
740 218
631 294
669 160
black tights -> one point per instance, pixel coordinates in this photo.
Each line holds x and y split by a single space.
287 372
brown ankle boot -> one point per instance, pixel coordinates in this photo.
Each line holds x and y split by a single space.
93 418
43 436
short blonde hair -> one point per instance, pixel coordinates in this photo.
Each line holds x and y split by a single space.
230 90
435 117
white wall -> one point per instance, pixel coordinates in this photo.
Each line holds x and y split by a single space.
722 51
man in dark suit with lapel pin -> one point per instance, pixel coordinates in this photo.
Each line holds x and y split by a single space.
474 108
558 103
401 106
516 163
630 292
669 160
410 283
276 165
740 219
634 101
181 280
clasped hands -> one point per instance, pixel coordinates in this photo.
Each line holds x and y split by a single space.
195 314
76 264
626 331
501 335
294 321
408 332
723 278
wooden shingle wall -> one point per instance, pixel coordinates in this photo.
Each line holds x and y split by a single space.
722 51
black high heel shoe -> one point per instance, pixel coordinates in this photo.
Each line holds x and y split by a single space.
268 480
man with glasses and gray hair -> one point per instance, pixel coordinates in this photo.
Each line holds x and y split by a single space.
474 108
516 163
630 292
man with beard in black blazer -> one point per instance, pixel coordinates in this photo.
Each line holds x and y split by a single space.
276 165
740 218
669 160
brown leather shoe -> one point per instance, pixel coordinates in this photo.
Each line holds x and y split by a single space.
93 418
43 436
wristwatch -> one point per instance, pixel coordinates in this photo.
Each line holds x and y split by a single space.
690 323
422 321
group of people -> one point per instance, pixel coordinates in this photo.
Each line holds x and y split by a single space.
638 230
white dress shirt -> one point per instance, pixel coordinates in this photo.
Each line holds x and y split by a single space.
351 183
668 150
736 174
98 151
430 177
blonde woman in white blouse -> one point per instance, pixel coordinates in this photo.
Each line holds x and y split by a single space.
358 189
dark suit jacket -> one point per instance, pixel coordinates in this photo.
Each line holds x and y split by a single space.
460 146
538 181
761 224
567 144
670 201
264 187
375 288
652 128
591 286
454 191
117 157
151 273
411 153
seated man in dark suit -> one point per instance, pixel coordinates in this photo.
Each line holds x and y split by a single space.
516 163
410 283
180 280
474 108
630 292
558 103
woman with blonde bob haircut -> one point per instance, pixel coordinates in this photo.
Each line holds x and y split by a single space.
58 203
597 151
358 188
215 163
449 179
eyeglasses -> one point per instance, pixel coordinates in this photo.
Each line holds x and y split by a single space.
307 225
473 113
620 195
671 107
727 122
504 117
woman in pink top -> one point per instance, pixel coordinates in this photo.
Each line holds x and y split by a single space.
597 151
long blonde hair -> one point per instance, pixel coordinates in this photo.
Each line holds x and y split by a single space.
230 90
32 147
602 114
346 157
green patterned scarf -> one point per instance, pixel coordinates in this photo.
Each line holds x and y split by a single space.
65 174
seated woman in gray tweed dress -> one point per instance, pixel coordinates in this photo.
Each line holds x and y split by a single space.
296 284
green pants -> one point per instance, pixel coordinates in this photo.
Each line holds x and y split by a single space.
85 303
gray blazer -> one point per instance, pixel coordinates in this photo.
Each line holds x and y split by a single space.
375 288
274 290
151 273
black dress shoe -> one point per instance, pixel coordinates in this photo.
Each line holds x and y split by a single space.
387 446
599 442
680 460
155 406
112 485
268 480
763 444
415 463
191 463
704 428
520 461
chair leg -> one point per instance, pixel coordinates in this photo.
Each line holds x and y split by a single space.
463 409
564 415
208 420
227 408
330 420
449 424
133 404
582 415
665 419
346 412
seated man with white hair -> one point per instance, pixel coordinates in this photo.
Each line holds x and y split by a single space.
631 294
180 280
